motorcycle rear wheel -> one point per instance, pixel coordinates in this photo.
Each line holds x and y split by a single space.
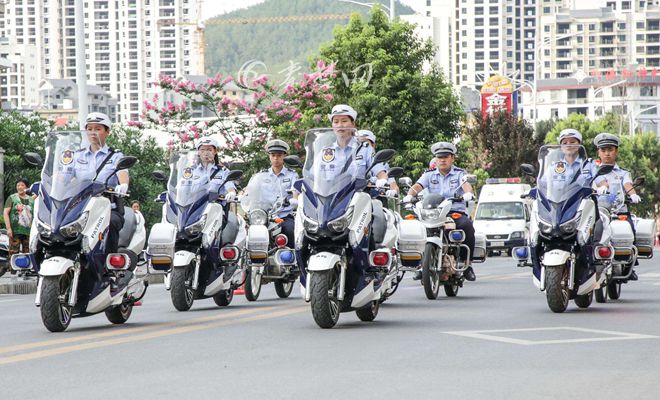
556 290
601 295
119 314
369 312
56 313
182 295
252 285
451 289
430 274
323 299
614 290
224 297
283 288
584 300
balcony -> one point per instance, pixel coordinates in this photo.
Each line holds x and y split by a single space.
655 38
577 101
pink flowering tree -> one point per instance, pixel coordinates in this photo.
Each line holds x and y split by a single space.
244 123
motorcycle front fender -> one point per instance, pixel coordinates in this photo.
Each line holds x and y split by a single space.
556 258
322 261
183 258
55 266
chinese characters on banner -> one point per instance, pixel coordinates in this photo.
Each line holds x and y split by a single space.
497 95
612 75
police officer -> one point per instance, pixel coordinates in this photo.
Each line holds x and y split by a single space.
618 181
209 168
367 137
343 119
99 157
277 150
447 180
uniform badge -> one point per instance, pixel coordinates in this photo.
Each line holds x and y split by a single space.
67 157
435 181
187 173
358 157
286 180
328 154
560 167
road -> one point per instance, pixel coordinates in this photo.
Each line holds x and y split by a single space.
496 340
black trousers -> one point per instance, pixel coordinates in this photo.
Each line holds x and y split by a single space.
465 224
116 222
288 229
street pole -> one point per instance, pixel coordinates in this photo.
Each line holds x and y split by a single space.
2 178
392 10
81 67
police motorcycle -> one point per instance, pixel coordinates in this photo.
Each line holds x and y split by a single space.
441 261
343 234
4 252
626 253
77 278
270 258
200 241
571 242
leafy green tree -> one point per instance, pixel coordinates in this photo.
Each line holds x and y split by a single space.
500 143
143 188
380 73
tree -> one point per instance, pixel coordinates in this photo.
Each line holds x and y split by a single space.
500 143
143 188
380 73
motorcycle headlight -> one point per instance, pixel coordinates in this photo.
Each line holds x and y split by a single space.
73 229
545 227
430 215
340 224
196 228
44 229
310 225
570 226
517 235
258 217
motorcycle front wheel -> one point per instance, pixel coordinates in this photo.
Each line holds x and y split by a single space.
556 289
119 314
252 284
614 290
55 308
430 273
283 288
369 312
584 300
180 290
325 306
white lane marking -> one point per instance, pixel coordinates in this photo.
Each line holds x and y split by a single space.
8 300
612 335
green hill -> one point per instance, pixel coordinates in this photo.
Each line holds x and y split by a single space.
275 44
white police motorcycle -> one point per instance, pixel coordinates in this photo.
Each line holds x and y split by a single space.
270 257
77 278
344 236
626 252
570 247
200 242
4 252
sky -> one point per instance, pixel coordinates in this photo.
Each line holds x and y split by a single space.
212 8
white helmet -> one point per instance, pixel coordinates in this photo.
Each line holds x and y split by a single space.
208 142
365 133
343 109
98 118
570 133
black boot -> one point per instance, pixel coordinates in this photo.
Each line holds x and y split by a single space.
417 276
469 274
633 276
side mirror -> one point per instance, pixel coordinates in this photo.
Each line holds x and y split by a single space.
639 181
528 169
604 169
298 185
162 197
237 165
126 162
384 156
405 182
395 172
293 161
159 175
471 179
34 159
234 175
34 189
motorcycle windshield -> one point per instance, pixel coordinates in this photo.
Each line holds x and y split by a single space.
65 172
329 165
262 192
560 174
189 178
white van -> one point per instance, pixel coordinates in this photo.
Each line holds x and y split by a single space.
502 216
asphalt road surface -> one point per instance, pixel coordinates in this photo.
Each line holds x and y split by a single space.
496 340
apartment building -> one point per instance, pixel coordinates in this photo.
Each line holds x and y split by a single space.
19 84
129 43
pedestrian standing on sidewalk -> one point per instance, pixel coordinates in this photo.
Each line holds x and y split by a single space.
18 218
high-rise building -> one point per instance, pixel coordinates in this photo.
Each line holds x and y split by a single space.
129 43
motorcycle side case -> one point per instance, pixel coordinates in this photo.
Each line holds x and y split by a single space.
479 255
622 234
160 246
412 240
646 229
257 242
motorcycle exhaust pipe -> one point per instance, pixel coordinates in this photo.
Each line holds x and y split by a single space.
342 282
74 287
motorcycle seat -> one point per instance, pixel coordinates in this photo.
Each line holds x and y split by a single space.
379 223
231 229
128 229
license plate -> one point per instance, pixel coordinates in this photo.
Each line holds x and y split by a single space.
497 244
